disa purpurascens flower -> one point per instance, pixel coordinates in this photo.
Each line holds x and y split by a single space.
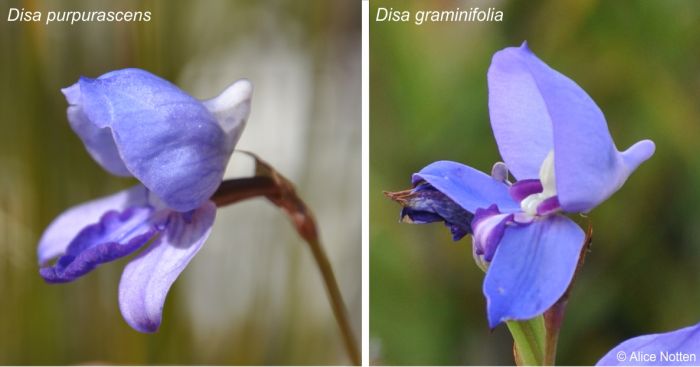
134 123
554 140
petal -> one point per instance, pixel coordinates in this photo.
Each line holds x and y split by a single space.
588 166
532 267
519 117
59 234
425 204
675 348
148 277
231 109
98 140
489 226
466 186
167 139
585 183
117 234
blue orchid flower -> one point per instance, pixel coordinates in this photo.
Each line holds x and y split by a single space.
675 348
554 140
134 123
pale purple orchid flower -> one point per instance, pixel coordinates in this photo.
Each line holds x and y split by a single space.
555 141
674 348
134 123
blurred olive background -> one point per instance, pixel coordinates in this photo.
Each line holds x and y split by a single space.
253 294
640 61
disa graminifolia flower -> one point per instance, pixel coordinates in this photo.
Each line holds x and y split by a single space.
554 140
134 123
674 348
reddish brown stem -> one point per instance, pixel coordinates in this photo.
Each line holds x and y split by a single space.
280 192
233 191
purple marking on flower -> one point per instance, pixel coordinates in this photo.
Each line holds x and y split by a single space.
489 226
524 188
134 123
548 206
554 140
59 234
675 348
114 236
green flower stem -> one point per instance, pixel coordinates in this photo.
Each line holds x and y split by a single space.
529 338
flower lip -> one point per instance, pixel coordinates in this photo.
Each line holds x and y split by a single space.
115 235
59 234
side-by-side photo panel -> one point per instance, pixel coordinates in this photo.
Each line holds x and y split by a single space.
180 183
533 174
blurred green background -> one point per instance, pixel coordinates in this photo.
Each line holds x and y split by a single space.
253 294
640 61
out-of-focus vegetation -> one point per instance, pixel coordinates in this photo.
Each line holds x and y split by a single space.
640 61
253 294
